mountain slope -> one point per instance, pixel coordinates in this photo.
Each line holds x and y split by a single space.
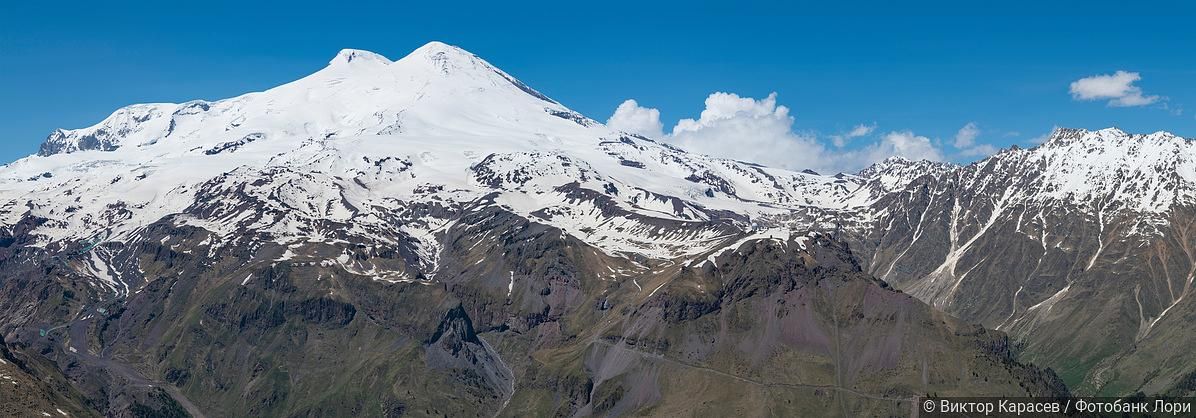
438 125
1081 248
522 319
34 387
432 236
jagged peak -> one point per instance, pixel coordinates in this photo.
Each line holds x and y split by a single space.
900 163
1112 131
107 133
1062 136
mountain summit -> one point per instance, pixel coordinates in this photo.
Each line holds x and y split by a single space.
361 57
359 92
438 124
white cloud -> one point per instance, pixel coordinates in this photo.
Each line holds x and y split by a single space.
630 117
730 108
966 137
747 129
1177 110
1118 87
965 142
898 143
859 130
761 131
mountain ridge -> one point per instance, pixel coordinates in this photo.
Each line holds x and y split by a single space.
437 210
1080 248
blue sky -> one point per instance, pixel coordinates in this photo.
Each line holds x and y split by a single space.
925 71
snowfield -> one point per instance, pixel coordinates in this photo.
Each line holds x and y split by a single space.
395 151
364 137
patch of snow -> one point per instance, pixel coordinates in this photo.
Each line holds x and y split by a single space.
511 285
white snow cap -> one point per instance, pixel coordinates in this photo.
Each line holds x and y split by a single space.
437 53
435 47
443 125
357 56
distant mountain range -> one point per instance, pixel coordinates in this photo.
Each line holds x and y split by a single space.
431 236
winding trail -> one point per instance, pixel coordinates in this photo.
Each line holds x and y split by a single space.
76 345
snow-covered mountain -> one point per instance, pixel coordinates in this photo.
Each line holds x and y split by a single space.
440 172
1081 247
1129 187
440 125
394 152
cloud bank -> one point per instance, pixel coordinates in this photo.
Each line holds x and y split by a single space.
761 131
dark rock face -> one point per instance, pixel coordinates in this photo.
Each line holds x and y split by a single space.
456 347
520 319
232 146
58 143
33 386
108 134
454 331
